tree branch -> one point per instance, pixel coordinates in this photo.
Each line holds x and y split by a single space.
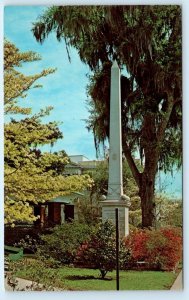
136 174
165 120
24 89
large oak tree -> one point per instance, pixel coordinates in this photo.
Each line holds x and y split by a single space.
146 42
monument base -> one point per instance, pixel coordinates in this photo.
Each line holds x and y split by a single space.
108 213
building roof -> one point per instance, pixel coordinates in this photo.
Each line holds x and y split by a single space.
78 158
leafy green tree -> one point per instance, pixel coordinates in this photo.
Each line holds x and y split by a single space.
88 209
31 176
146 42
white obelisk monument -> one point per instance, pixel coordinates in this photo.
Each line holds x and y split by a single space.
115 197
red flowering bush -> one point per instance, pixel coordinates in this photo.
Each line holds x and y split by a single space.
161 249
136 242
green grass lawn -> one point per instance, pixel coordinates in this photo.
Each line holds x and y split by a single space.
69 278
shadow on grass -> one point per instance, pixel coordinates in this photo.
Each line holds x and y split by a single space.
85 277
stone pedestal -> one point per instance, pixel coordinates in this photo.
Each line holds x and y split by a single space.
108 213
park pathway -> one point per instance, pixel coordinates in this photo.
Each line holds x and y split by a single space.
24 285
178 284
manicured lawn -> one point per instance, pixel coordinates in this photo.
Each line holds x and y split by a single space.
69 278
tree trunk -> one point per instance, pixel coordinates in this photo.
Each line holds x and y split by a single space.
146 179
146 183
103 273
146 193
152 140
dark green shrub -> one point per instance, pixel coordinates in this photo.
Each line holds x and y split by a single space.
61 244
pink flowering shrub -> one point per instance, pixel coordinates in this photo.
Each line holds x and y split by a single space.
160 249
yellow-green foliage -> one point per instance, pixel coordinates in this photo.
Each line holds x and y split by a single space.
17 84
30 175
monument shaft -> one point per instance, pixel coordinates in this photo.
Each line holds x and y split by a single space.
115 198
115 181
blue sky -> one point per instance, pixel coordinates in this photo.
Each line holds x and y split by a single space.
65 90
